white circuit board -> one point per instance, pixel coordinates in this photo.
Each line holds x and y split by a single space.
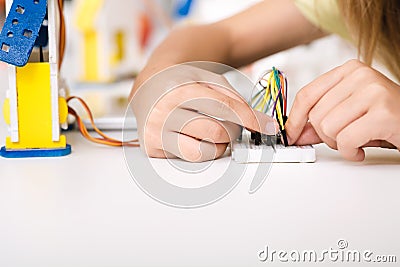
245 151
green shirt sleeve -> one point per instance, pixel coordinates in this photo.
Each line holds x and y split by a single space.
325 15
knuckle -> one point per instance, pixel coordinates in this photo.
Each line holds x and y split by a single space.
313 117
363 72
377 88
178 95
327 128
216 133
382 116
372 93
305 97
343 141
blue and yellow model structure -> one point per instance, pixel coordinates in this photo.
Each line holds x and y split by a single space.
34 109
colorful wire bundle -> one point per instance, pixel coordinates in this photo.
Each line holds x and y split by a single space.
271 98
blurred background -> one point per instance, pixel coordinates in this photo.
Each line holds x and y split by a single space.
109 41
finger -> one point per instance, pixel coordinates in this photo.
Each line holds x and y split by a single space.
357 134
190 149
327 140
329 101
308 137
216 104
211 130
158 153
312 134
225 88
346 112
309 95
201 127
352 83
380 143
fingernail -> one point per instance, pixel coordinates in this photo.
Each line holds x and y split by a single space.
271 128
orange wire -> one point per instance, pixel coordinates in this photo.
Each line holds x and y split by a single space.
105 140
62 33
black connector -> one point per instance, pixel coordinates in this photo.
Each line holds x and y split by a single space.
279 138
284 135
284 119
257 139
41 57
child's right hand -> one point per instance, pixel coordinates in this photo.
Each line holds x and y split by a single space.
350 107
193 114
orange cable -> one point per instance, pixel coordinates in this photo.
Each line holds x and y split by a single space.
105 140
62 34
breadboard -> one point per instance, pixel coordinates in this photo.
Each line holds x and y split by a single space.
245 151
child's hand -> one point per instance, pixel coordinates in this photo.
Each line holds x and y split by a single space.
350 107
176 113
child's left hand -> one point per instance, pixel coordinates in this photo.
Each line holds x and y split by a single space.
351 107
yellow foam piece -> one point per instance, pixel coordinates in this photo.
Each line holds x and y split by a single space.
87 13
91 73
34 109
119 53
63 110
6 111
86 21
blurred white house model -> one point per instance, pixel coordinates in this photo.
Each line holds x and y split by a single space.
113 34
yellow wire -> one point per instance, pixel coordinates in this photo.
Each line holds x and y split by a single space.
266 95
271 94
278 110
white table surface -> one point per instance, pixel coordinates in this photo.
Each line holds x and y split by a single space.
86 210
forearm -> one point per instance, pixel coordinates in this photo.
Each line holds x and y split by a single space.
192 43
262 30
266 28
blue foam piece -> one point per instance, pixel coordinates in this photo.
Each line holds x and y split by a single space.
20 30
184 7
35 153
